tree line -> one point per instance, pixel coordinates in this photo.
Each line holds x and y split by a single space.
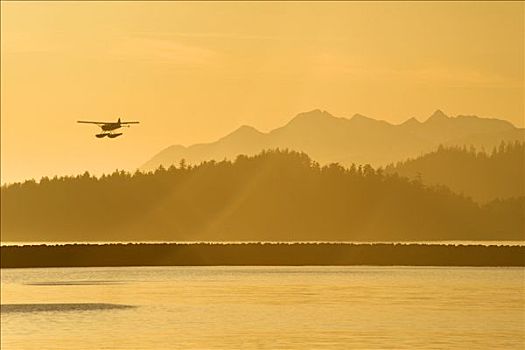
277 195
484 176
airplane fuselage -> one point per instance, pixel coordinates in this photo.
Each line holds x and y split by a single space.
110 126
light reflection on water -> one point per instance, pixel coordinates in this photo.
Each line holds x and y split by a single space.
458 242
263 307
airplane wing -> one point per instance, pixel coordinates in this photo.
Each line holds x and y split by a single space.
90 122
129 122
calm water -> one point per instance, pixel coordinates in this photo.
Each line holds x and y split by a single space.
263 308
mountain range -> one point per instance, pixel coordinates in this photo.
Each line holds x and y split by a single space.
359 139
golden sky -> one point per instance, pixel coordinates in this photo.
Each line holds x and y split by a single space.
194 71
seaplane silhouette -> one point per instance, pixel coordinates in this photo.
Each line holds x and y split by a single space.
109 127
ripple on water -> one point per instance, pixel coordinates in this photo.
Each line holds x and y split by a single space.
74 283
10 308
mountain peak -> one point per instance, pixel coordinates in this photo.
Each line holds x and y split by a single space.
316 113
311 118
244 131
358 116
411 121
438 115
247 129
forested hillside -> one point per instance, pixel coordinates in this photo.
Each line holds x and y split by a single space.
276 195
475 173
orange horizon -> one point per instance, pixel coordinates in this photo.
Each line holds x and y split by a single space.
194 72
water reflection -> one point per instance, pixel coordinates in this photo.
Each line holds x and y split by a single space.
263 307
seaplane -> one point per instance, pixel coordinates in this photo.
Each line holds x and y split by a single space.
109 127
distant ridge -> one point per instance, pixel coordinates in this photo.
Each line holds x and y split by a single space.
497 173
359 139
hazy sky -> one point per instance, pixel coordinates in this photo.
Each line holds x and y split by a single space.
192 72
